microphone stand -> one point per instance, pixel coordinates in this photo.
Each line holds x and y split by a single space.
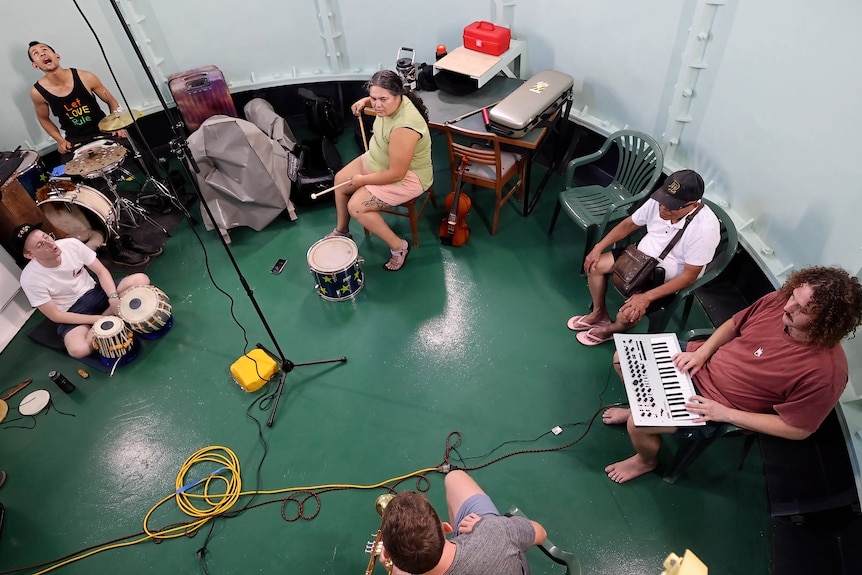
180 149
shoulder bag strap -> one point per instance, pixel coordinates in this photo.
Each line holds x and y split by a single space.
678 235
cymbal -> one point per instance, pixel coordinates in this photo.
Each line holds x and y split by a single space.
118 120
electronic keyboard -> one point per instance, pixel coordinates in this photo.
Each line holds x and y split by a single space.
656 389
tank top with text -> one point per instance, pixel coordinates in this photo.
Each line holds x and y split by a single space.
78 112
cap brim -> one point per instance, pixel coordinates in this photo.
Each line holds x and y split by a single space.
667 200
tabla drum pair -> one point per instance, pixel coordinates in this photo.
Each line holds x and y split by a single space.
336 266
147 311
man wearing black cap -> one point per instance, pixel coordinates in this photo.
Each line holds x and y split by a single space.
56 282
663 214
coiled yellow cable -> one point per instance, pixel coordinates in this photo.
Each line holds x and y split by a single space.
228 477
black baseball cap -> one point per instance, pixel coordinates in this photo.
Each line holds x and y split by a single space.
679 189
20 235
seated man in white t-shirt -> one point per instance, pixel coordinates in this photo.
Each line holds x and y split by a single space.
664 215
56 282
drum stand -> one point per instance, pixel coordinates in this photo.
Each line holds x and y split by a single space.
159 188
124 206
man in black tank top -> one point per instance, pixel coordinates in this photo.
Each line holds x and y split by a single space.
71 95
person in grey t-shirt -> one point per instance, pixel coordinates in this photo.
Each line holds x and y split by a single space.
484 542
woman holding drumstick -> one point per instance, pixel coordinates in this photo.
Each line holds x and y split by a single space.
395 168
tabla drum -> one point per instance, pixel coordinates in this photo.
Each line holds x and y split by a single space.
114 341
335 264
147 310
31 173
74 208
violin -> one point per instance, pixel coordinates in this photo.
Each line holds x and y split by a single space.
454 230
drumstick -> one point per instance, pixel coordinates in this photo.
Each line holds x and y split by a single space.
17 388
362 129
327 190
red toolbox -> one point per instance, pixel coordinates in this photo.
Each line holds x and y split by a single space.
201 93
486 37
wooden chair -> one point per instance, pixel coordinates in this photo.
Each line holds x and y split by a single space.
488 166
408 210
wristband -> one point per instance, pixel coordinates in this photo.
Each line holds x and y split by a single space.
113 295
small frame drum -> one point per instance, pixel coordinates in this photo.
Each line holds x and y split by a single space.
335 264
31 173
74 208
147 310
114 341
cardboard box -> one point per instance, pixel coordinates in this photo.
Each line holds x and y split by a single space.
486 37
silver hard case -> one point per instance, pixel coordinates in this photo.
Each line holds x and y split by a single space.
536 100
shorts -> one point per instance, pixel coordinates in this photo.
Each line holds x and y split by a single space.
94 301
698 433
398 193
480 504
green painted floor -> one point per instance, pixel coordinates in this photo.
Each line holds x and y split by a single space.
469 341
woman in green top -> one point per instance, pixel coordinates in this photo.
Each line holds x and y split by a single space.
396 168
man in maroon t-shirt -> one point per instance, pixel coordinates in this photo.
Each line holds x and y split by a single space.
776 367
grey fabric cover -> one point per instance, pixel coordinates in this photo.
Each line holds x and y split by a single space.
243 174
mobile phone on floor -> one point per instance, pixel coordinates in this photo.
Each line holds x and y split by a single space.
279 266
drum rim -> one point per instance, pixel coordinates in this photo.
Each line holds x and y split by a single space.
107 219
97 327
354 249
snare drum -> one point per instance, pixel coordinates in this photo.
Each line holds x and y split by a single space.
31 173
75 208
335 264
114 341
147 310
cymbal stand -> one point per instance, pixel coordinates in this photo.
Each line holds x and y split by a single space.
124 206
159 188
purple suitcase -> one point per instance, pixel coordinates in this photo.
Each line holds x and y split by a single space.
201 93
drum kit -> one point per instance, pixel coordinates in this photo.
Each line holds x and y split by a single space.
145 312
103 159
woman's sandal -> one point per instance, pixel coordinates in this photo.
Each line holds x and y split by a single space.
336 233
398 259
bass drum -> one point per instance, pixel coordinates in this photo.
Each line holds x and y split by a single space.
77 210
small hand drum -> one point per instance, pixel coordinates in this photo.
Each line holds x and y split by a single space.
114 341
147 310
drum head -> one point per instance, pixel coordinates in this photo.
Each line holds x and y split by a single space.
34 402
139 303
4 409
107 326
331 255
31 157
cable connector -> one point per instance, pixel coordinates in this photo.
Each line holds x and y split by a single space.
444 468
556 430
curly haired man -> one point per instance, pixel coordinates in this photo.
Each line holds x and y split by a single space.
776 367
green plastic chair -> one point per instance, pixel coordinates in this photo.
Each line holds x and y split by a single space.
660 317
689 448
594 208
557 555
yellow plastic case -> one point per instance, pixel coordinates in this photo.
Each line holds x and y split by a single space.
253 370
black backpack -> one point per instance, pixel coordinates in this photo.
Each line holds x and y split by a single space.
321 114
311 167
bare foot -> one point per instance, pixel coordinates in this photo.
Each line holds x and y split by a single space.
628 469
616 415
